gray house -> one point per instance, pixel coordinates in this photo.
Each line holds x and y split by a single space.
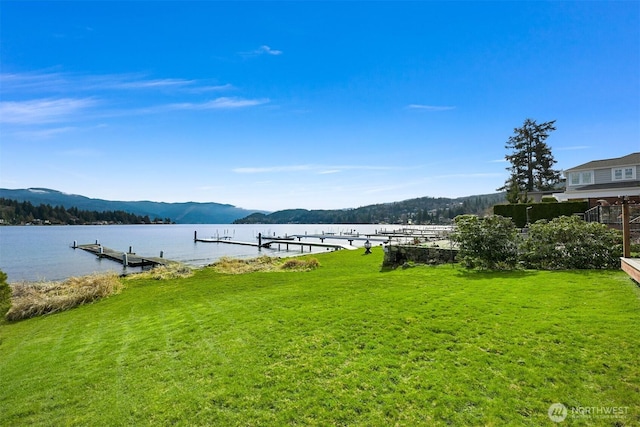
603 181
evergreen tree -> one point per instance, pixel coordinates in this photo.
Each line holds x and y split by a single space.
531 159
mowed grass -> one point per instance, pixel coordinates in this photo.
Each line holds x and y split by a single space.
344 344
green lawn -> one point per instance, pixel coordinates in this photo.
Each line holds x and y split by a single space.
344 344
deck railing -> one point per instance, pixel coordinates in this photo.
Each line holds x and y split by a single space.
612 214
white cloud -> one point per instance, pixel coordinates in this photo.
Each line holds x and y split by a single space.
319 169
56 82
262 50
266 49
218 103
48 110
81 152
575 147
44 133
429 107
270 169
470 175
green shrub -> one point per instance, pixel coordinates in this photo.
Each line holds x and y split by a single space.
571 243
486 243
5 294
537 211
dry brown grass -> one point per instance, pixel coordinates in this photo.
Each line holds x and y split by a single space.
36 299
229 265
296 264
164 272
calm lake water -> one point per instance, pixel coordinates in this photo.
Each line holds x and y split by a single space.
34 253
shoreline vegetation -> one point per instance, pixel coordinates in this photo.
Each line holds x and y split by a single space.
336 342
13 212
33 299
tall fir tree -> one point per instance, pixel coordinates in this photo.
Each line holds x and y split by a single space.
531 160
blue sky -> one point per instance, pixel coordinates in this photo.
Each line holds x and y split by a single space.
317 105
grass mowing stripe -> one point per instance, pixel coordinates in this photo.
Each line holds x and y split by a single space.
343 344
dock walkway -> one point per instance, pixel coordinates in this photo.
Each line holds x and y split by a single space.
127 259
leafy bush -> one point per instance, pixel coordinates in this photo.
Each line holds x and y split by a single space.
30 300
5 294
571 243
537 211
487 243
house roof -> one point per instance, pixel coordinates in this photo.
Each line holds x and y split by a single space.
630 159
609 186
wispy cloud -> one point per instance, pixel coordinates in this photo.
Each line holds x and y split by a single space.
262 50
318 169
429 107
575 147
469 175
266 49
48 110
272 169
56 82
44 133
215 104
82 152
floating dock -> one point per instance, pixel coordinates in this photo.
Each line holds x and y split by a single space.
302 245
349 237
228 241
271 242
127 259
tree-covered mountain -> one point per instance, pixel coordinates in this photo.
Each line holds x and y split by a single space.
180 213
424 210
13 212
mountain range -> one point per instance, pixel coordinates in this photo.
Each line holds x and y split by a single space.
180 213
422 210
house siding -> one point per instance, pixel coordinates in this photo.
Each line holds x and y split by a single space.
602 176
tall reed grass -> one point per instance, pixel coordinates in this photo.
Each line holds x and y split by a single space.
174 270
230 265
37 299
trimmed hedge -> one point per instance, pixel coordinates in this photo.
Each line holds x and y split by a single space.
518 212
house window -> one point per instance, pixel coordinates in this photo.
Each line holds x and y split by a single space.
619 174
581 178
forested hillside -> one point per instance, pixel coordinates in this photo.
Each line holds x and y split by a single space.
424 210
13 212
180 213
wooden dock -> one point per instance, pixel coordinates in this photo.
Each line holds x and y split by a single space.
270 244
349 237
227 241
127 259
